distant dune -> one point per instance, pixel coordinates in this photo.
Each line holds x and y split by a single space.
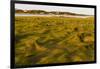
43 12
49 15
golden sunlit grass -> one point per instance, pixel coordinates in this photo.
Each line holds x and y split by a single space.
45 40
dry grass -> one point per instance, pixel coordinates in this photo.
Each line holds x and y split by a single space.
44 40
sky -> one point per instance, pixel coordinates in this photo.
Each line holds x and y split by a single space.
79 10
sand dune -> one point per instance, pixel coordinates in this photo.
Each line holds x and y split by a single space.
48 15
